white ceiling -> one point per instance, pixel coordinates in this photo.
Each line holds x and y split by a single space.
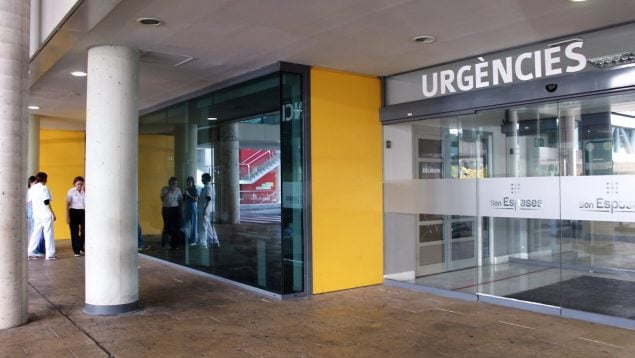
229 37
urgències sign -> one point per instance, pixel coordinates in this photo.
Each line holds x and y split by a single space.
609 48
526 66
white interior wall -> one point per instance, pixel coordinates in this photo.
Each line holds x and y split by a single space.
46 15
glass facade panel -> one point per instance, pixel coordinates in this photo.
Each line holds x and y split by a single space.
292 183
598 163
223 188
526 248
551 219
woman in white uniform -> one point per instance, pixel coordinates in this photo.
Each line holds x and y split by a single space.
207 195
43 217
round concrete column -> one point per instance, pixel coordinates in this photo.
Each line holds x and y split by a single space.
14 30
33 153
112 127
229 177
573 116
185 142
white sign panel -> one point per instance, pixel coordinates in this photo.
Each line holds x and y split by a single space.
431 196
532 197
599 198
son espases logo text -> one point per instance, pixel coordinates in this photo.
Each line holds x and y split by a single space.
516 204
607 205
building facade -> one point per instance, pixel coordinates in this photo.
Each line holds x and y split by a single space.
508 177
502 178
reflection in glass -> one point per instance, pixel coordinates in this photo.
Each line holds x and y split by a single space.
430 233
237 154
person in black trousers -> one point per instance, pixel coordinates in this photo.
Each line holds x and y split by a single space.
75 215
172 199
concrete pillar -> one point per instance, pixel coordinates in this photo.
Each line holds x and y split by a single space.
229 176
112 126
14 46
185 141
514 144
33 153
571 137
516 243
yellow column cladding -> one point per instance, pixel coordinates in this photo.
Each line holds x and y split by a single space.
346 170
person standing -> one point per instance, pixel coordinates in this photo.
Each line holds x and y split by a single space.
172 199
75 215
29 217
43 217
191 209
207 195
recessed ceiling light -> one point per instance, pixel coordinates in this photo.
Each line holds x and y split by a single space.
79 74
34 107
212 118
149 21
577 0
424 39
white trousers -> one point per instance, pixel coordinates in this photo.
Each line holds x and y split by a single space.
210 231
42 227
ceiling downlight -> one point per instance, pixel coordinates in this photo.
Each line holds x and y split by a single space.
424 39
149 21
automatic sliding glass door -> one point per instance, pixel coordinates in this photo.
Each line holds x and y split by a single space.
562 204
520 198
533 202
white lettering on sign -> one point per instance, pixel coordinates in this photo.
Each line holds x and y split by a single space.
599 198
291 111
519 197
426 170
525 67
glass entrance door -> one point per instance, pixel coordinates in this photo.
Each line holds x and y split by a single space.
448 150
532 202
522 209
561 202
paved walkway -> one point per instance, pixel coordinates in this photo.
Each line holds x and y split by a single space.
189 315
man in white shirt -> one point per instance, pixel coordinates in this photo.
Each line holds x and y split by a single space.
43 217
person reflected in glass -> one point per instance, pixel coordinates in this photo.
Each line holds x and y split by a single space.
141 245
191 210
207 194
75 215
172 200
41 247
43 217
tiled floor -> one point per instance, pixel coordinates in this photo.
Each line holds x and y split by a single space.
189 315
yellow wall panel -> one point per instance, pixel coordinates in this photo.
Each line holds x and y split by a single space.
62 156
156 166
346 170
